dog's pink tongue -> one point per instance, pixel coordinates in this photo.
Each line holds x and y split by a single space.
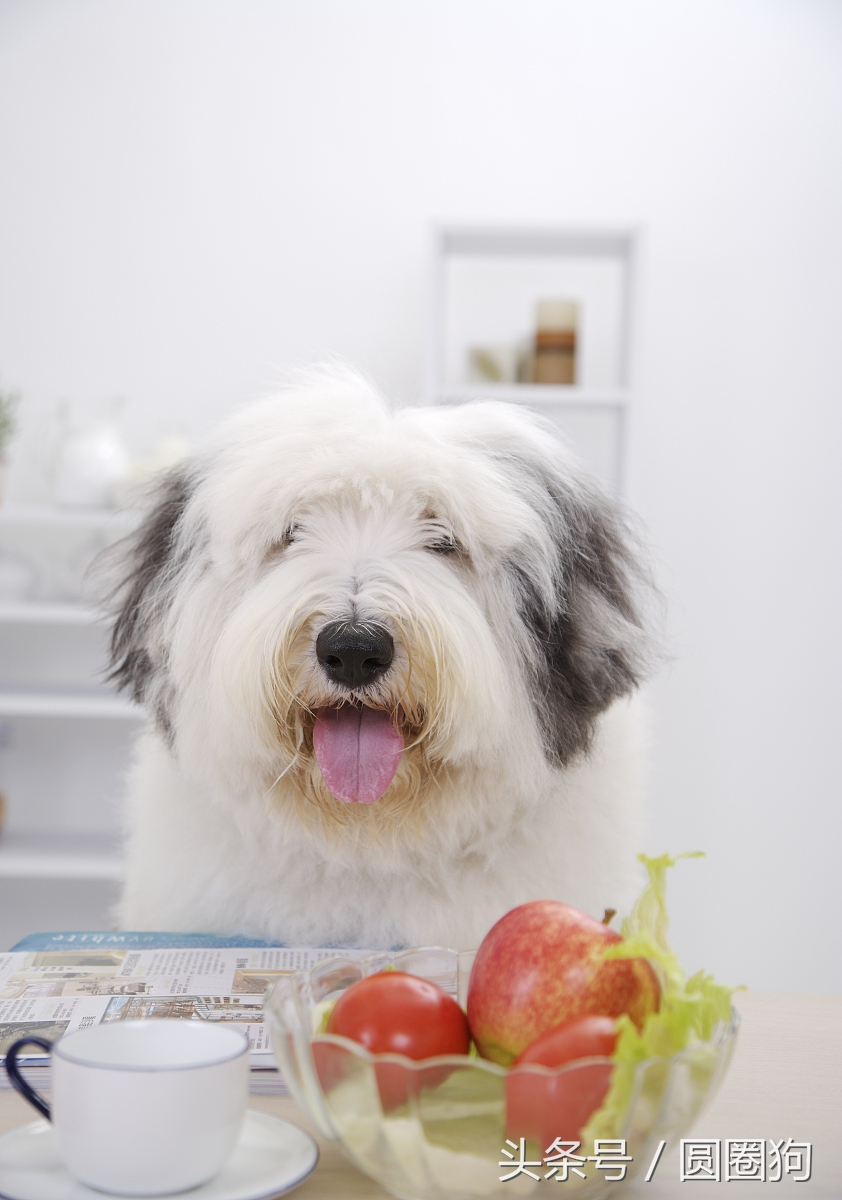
358 751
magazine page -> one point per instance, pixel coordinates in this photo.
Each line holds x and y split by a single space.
49 993
139 938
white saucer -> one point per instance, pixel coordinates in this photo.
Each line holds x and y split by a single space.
271 1157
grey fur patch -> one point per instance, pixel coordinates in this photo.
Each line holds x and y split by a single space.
146 565
591 635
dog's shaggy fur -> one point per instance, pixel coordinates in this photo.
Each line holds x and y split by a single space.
511 588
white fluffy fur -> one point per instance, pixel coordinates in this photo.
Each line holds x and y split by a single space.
306 508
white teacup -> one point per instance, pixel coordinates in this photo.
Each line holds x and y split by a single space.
143 1108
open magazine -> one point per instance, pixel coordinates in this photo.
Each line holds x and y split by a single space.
58 983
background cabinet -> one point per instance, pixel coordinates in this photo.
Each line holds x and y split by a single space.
65 737
486 287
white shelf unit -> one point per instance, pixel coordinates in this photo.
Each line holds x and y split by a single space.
48 516
33 612
56 857
65 737
55 704
486 285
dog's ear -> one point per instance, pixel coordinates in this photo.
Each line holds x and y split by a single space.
143 569
588 617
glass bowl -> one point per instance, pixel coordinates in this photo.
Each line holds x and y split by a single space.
438 1128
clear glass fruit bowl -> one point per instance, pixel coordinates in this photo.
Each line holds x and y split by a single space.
438 1128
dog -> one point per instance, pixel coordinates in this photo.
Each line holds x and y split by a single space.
387 657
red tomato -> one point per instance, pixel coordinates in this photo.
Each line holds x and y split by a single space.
581 1037
543 1108
396 1013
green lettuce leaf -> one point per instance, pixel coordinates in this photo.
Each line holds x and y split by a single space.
689 1011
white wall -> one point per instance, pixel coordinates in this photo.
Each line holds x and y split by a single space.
196 192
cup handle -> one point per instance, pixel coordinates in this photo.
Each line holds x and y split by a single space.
17 1080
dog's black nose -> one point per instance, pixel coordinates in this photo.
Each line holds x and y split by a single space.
354 655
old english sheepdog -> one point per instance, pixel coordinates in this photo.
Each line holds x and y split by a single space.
386 656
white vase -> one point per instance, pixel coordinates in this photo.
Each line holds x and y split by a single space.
92 464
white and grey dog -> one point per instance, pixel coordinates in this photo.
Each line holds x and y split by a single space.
385 654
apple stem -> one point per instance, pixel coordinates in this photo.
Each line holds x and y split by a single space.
610 913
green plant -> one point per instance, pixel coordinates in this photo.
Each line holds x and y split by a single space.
8 417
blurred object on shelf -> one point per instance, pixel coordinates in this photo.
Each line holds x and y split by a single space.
170 449
8 427
494 364
18 577
548 357
555 342
93 461
525 372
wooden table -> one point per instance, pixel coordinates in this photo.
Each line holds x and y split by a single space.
785 1081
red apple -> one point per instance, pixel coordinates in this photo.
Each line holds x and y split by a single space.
542 964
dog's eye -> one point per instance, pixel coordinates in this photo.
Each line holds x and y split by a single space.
444 545
289 535
441 540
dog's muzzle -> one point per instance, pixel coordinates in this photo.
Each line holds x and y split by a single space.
357 748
